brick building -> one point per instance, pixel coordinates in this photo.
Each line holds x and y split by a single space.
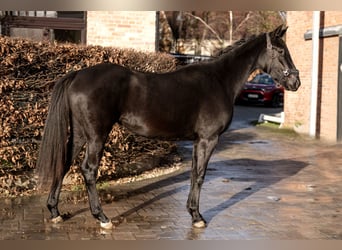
125 29
297 104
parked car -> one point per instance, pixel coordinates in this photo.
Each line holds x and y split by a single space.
262 90
183 59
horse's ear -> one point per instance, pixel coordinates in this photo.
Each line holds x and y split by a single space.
280 31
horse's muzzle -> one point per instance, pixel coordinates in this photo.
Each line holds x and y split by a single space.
294 83
291 79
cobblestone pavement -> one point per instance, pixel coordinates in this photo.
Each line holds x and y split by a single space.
260 184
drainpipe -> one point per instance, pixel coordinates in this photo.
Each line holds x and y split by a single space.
314 73
157 24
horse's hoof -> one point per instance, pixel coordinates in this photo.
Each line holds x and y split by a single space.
106 225
199 224
57 219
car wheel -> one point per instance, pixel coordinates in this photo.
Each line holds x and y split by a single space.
277 101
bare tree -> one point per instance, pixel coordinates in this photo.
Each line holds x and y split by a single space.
206 25
230 27
218 28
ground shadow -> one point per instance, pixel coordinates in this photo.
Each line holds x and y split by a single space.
263 173
130 194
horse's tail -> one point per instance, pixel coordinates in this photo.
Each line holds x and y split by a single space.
53 157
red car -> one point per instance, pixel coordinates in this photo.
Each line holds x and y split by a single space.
262 90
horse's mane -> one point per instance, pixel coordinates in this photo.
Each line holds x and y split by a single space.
233 46
225 51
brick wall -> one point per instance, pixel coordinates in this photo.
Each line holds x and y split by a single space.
328 108
297 104
124 29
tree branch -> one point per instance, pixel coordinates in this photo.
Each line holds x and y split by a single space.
249 15
206 25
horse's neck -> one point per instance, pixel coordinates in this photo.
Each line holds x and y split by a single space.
239 65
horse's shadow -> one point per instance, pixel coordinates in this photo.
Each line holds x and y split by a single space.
262 173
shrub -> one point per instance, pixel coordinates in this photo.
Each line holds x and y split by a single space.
28 71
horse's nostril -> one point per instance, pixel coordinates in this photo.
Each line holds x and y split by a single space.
295 85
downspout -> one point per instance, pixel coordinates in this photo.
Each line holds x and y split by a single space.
314 73
157 24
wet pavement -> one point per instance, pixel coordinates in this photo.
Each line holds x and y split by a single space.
261 183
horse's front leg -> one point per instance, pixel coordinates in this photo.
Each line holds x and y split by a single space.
203 148
89 170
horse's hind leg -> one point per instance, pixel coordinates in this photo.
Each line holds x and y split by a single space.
89 170
75 144
52 202
202 151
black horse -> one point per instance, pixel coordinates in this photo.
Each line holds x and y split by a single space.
194 102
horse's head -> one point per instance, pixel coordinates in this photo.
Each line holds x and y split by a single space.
277 60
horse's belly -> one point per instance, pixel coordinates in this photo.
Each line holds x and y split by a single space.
154 127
